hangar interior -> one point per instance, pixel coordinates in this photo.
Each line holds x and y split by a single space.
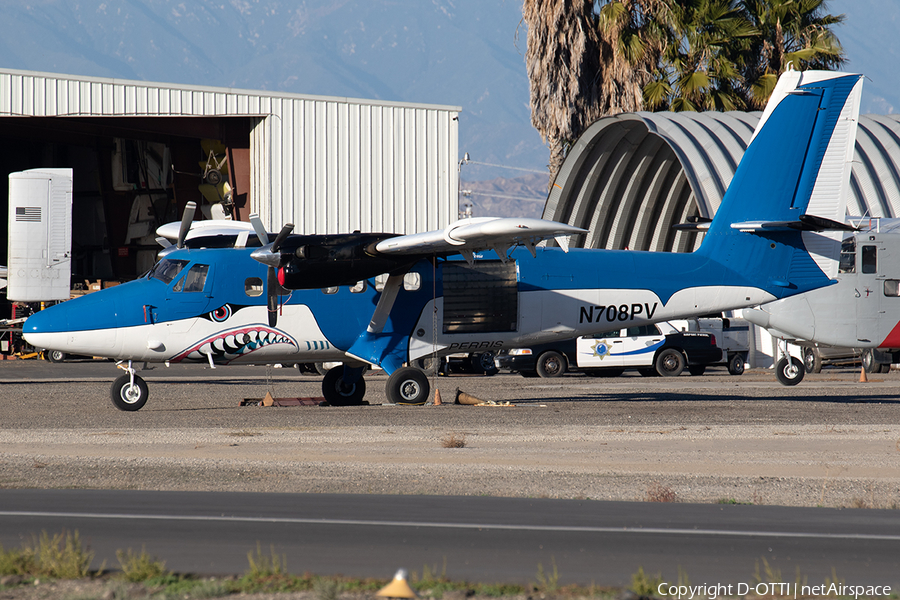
131 174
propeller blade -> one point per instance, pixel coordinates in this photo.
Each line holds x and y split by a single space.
272 298
186 218
260 229
282 235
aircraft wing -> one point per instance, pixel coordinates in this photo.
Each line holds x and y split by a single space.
467 236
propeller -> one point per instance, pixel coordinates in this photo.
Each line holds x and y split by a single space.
270 256
186 218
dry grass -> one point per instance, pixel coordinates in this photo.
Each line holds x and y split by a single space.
660 493
453 441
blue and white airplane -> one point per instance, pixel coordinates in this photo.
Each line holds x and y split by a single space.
217 298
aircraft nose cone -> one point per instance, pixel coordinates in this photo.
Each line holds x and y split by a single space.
85 325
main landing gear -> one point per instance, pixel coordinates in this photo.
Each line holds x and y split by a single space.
129 392
343 386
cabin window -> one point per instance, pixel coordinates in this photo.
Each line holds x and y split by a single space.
380 280
330 290
892 287
359 287
194 281
848 256
412 282
869 259
167 269
253 286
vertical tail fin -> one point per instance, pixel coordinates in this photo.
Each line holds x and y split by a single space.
793 177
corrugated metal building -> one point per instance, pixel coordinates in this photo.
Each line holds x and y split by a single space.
630 177
326 164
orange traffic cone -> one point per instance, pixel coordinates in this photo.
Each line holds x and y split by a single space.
862 375
437 397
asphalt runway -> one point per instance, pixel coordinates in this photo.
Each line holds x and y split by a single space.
627 472
469 539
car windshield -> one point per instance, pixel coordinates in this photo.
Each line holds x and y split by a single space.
167 269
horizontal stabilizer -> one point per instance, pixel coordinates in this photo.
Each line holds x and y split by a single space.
804 223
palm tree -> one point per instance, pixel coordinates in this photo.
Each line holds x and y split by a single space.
700 66
790 31
581 65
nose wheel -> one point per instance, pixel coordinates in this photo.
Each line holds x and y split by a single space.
129 392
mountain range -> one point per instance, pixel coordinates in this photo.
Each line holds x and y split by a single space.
467 53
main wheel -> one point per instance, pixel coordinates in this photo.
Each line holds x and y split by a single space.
790 373
56 356
551 364
670 363
812 361
339 393
407 385
736 364
126 396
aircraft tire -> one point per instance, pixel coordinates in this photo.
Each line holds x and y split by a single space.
790 373
408 386
129 397
56 356
670 362
551 364
338 393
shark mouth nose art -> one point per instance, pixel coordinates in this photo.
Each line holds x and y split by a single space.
227 346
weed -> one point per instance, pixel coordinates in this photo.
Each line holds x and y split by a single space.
62 556
660 493
771 575
17 562
140 567
643 585
327 589
453 441
731 501
262 566
548 582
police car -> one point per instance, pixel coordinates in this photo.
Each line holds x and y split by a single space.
660 349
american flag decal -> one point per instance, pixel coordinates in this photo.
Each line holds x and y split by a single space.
28 213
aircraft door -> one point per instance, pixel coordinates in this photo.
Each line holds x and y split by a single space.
190 294
871 258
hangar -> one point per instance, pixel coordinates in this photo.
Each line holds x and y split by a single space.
631 176
140 151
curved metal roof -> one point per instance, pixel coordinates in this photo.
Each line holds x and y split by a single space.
630 177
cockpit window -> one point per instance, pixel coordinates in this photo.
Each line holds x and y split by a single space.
194 280
167 269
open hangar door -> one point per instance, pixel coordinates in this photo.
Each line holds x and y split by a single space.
131 174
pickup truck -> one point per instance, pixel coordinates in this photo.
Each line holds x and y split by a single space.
652 349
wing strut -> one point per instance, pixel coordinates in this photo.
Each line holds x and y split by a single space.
385 303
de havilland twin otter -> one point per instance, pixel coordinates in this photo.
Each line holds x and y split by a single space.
223 299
